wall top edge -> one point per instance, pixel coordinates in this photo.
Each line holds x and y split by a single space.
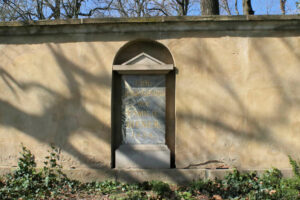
160 24
162 19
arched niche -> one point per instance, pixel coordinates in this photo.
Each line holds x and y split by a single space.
143 106
150 47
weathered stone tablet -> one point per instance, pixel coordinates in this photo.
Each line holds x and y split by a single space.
143 109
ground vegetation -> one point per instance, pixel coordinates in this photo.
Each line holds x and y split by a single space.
49 182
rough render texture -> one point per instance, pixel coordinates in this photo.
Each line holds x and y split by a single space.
57 93
237 97
237 101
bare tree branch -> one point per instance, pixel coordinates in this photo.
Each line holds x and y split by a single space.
236 7
92 11
225 6
160 10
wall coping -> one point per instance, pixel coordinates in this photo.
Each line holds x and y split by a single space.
153 24
162 19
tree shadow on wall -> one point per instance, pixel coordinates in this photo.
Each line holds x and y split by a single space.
62 118
66 115
258 129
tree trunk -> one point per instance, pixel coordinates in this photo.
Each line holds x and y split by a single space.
210 7
183 7
282 6
57 9
247 8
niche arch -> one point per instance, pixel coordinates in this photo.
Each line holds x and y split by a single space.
155 59
150 47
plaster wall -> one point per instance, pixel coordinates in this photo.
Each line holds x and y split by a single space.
237 102
237 97
57 93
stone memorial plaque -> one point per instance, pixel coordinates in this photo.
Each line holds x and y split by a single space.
143 109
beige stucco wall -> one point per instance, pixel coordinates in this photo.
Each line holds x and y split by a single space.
237 101
237 97
57 93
